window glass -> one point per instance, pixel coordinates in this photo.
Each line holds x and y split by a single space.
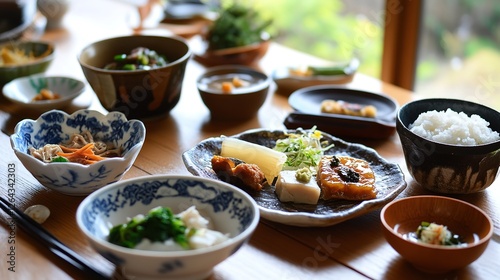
459 54
336 30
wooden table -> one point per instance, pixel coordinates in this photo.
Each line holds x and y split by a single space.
355 249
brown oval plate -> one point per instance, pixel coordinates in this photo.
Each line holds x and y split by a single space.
389 181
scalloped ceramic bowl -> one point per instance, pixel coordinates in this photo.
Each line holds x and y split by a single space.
56 127
43 53
402 216
22 91
228 209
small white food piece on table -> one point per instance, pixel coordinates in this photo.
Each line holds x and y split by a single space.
289 189
38 212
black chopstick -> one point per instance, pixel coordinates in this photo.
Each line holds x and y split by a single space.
55 246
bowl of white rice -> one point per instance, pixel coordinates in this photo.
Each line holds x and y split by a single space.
450 146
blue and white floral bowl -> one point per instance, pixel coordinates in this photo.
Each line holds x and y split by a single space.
56 127
22 91
228 208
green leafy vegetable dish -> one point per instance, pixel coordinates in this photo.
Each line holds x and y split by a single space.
161 230
138 59
236 26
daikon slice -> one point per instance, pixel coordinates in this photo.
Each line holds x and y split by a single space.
268 160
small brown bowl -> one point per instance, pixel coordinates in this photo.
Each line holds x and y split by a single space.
403 216
242 102
246 55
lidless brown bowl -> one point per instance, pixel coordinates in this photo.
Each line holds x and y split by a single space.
245 55
242 103
445 168
140 94
403 216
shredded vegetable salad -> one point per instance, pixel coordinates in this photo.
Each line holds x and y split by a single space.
302 149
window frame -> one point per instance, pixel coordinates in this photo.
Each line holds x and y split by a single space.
401 39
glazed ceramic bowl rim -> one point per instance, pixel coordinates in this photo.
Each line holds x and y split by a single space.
28 19
124 158
212 71
160 254
64 98
481 241
41 60
400 126
140 71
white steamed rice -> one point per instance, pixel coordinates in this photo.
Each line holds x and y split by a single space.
454 128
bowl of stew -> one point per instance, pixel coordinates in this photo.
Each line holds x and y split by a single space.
233 92
138 75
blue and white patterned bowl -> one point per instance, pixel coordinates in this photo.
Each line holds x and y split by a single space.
56 127
228 208
22 91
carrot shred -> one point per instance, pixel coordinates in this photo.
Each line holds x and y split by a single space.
84 155
67 149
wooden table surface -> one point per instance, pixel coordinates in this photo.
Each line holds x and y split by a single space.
355 249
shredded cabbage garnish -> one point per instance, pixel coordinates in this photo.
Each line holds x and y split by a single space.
302 149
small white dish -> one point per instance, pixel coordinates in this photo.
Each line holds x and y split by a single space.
22 91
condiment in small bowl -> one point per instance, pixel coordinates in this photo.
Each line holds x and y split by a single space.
43 93
233 92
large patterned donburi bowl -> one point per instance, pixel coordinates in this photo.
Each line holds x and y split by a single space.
55 127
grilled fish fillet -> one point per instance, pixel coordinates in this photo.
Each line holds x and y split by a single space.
338 180
242 175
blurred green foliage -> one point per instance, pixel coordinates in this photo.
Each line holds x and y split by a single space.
322 28
325 28
456 29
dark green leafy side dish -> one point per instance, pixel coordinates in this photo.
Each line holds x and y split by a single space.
159 225
236 26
